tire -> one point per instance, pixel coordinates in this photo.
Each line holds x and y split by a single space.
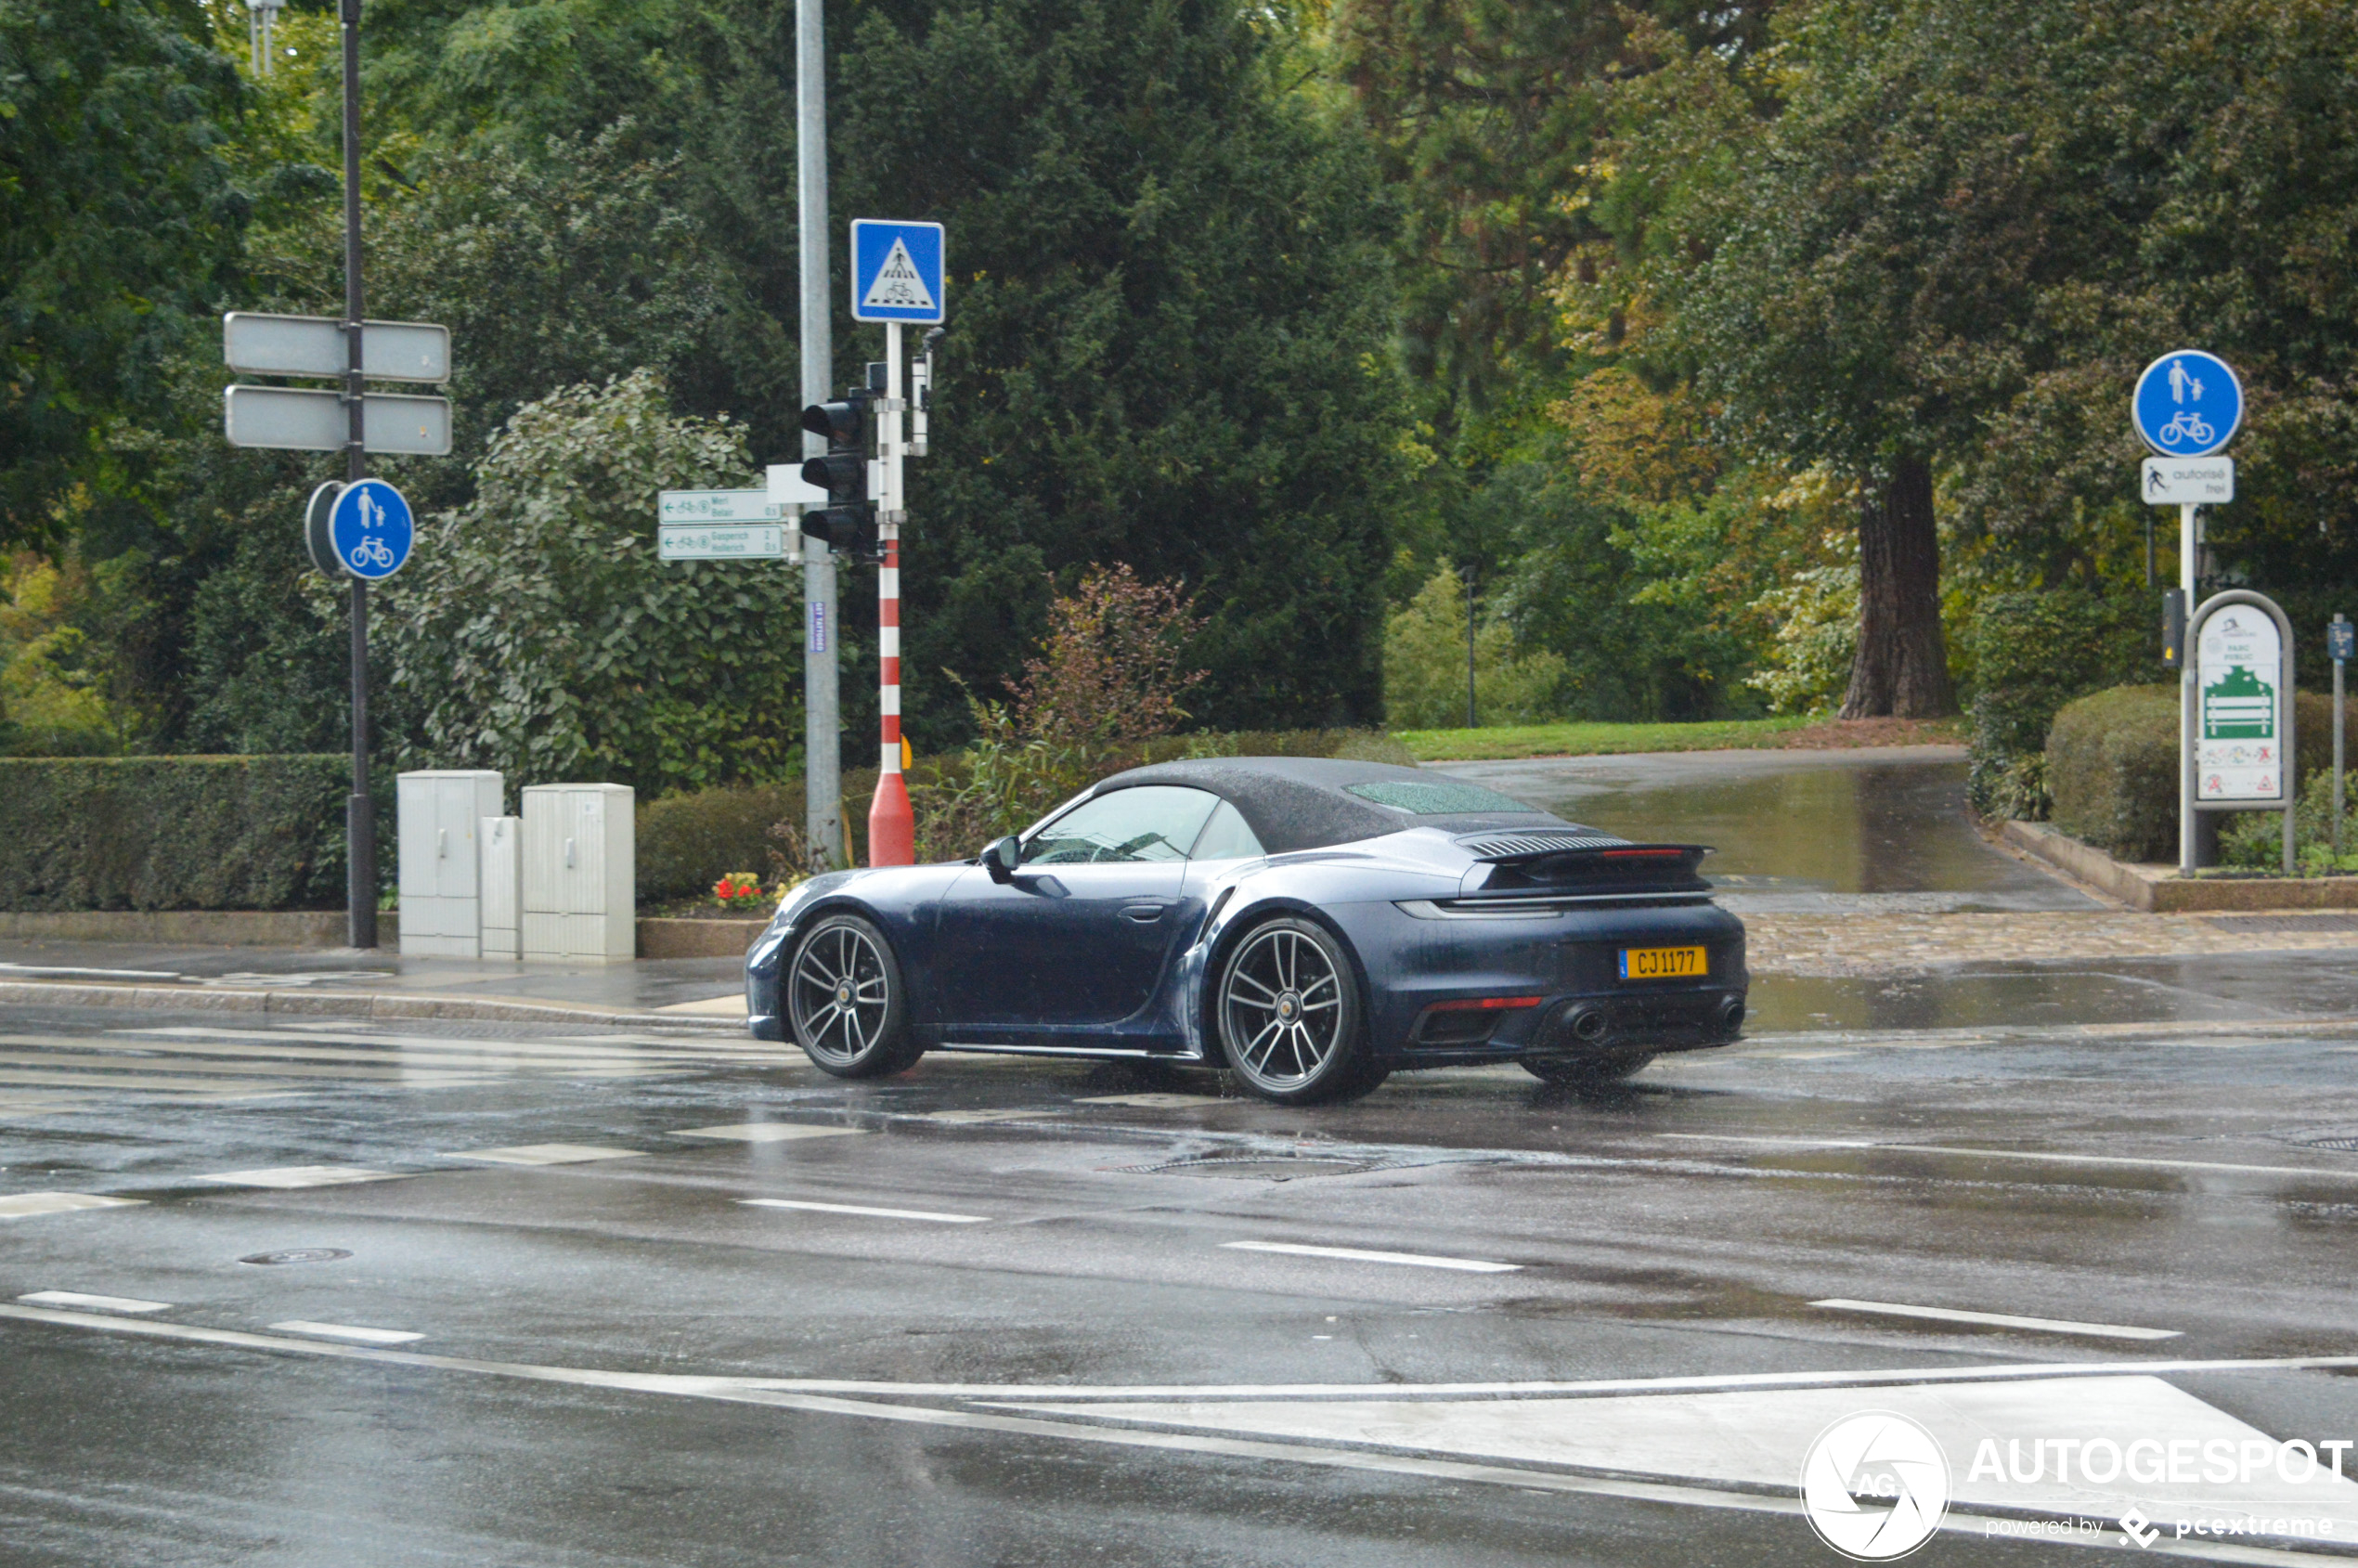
844 1002
1587 1073
1286 1012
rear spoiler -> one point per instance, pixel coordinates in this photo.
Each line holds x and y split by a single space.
1667 868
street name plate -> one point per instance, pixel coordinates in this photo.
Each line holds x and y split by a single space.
2188 480
314 346
717 506
690 541
289 417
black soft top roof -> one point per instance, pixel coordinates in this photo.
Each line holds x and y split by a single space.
1304 802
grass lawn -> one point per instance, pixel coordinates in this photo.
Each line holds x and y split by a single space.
1726 734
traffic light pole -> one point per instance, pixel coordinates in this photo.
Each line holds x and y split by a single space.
892 829
822 723
360 813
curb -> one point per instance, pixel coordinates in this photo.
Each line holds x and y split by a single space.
347 1005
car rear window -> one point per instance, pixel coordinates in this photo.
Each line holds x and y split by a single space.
1436 800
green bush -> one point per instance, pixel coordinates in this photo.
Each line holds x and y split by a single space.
2112 766
150 833
688 842
2031 653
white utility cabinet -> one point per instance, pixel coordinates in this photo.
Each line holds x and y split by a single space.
502 842
441 891
580 883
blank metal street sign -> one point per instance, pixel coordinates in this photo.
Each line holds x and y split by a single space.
316 421
314 346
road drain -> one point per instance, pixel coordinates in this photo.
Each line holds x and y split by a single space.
298 1255
2342 1140
1256 1168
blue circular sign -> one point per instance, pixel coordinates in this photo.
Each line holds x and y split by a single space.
2188 404
371 530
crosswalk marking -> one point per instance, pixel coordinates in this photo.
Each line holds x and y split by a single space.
92 1304
291 1176
43 1072
546 1154
347 1331
24 1205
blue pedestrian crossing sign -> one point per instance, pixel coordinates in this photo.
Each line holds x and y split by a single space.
896 271
2188 404
370 530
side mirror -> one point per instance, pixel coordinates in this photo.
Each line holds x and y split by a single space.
1001 856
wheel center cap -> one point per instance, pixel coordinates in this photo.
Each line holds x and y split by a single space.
843 992
1288 1006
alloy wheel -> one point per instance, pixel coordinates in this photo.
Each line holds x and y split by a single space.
1281 1008
840 994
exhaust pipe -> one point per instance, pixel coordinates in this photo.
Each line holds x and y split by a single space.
1587 1025
1732 1016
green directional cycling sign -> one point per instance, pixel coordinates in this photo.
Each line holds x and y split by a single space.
2240 754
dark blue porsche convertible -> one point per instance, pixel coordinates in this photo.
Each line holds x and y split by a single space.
1311 924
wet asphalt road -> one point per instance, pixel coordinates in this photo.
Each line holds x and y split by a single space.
997 1312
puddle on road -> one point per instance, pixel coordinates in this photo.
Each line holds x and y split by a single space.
1799 829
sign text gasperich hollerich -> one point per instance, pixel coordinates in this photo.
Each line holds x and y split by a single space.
897 271
706 541
2188 481
2239 751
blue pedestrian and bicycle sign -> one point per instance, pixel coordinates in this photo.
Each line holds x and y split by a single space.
369 530
896 271
2188 404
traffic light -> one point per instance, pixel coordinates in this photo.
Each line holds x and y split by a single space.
846 526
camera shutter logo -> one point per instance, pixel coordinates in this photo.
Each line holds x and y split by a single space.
1875 1485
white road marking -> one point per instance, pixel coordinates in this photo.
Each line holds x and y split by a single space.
2021 1153
773 1394
2002 1321
548 1154
767 1131
1356 1255
347 1331
95 1304
262 1068
454 1055
300 1175
979 1118
1150 1101
25 1204
154 1082
874 1214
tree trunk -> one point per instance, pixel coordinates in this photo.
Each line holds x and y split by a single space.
1901 669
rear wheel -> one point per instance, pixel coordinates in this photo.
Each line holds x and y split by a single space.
845 1001
1288 1016
1587 1073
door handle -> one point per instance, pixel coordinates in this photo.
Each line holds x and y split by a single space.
1144 915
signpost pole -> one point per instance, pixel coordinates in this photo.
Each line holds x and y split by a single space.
361 816
891 823
2337 638
822 724
2189 820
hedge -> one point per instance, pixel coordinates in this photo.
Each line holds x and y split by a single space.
150 833
688 842
2112 765
2032 652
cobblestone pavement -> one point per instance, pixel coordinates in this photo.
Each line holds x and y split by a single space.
1888 943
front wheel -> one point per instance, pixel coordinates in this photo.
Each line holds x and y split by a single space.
844 1001
1286 1007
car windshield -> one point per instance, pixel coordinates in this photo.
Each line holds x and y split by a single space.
1152 823
1436 799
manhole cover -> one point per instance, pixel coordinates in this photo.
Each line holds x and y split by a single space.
2343 1140
298 1255
1262 1168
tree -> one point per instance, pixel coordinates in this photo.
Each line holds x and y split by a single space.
1169 316
536 632
1425 665
120 222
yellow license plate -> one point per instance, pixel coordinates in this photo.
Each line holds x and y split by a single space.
1662 963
